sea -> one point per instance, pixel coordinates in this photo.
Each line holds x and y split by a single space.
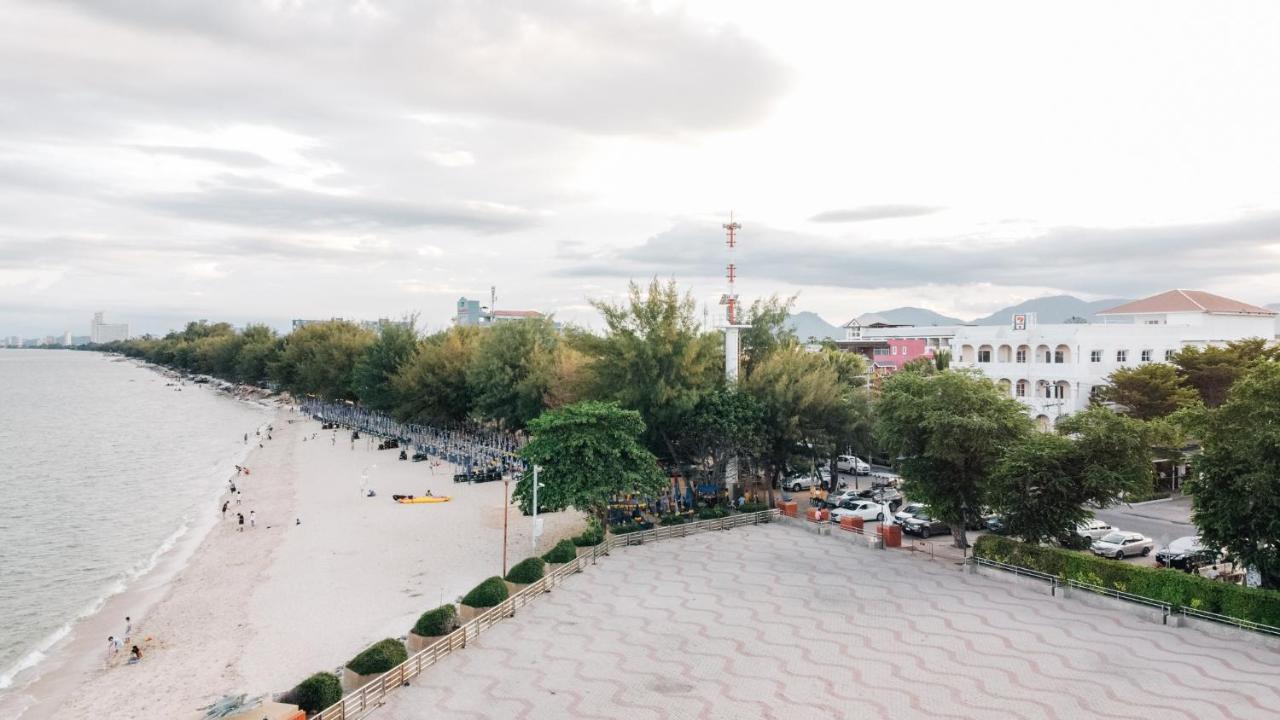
108 469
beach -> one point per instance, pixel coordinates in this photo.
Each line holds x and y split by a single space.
325 572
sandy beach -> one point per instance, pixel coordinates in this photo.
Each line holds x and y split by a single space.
257 611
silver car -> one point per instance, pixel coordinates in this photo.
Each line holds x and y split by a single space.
1120 545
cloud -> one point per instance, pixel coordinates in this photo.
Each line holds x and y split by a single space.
873 212
294 208
234 158
1119 262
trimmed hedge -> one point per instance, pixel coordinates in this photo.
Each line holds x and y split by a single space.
317 692
752 507
673 519
563 552
712 513
1166 585
527 571
379 658
593 535
441 621
627 527
487 594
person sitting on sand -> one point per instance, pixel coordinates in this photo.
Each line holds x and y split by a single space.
428 494
135 655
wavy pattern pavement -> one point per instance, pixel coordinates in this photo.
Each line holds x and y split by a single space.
767 622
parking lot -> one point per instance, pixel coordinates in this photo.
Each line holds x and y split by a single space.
773 622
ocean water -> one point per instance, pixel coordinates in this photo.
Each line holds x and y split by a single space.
103 471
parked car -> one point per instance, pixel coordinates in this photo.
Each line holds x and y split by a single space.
852 464
924 526
805 480
1187 554
996 524
1094 529
864 509
908 511
1120 545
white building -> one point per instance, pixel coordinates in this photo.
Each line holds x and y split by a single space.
104 332
1054 368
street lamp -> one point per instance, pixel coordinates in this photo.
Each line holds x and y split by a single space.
537 523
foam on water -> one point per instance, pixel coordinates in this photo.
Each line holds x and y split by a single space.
108 471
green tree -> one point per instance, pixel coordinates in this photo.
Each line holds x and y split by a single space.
654 359
768 332
725 423
1213 370
1148 391
261 348
432 385
318 359
948 431
1042 481
588 454
371 377
513 371
1236 491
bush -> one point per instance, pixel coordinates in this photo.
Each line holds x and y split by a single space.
672 519
487 594
379 658
441 621
1171 586
753 507
712 513
593 535
317 692
527 571
628 527
563 552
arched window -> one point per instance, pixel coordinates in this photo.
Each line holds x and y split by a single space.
1043 389
1004 354
1004 385
1021 388
984 354
1043 355
1023 352
1061 390
1062 354
966 353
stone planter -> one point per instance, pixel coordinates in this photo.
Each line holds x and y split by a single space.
417 643
352 682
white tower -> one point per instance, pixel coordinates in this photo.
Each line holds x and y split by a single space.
732 327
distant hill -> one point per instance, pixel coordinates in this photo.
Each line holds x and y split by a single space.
1052 309
808 325
916 316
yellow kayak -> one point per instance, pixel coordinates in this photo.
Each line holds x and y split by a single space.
416 500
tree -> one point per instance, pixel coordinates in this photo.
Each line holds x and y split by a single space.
1236 491
768 332
1043 481
725 423
654 359
432 385
1147 391
948 431
1213 370
318 359
378 364
513 371
588 454
261 347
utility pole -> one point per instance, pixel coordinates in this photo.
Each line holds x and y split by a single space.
506 506
537 527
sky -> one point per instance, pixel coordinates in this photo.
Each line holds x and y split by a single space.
261 160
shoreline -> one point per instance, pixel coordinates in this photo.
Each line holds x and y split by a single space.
74 650
258 611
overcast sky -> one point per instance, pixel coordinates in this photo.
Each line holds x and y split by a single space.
269 159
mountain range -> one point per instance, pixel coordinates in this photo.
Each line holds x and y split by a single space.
1051 309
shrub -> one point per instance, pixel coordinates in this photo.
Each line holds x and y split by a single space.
712 513
379 658
627 527
487 594
672 519
441 621
1171 586
563 552
526 571
317 692
593 535
753 507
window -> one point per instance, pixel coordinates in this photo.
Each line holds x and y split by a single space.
1095 356
1122 356
880 351
984 356
1146 356
1021 388
1022 355
1151 322
895 350
1048 356
1168 356
1058 391
1058 357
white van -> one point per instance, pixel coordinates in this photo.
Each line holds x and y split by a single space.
1094 529
852 464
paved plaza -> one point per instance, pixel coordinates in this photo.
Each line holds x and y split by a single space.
774 622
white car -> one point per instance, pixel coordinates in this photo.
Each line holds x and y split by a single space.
852 464
1094 529
908 511
864 509
805 480
1120 545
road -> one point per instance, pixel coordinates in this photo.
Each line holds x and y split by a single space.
1160 521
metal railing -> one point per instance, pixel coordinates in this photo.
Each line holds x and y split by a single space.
360 703
1166 609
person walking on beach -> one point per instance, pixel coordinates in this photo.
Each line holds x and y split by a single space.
240 520
253 519
128 628
225 503
239 497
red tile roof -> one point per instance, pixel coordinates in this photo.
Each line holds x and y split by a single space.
1181 301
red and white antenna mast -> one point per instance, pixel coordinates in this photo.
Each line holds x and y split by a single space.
730 299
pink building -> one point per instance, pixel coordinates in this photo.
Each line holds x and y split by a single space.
900 352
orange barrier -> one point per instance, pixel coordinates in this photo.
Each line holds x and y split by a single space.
790 509
852 522
892 534
818 515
